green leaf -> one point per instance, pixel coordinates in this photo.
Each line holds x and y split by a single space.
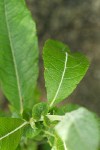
18 53
39 110
27 144
59 144
66 108
54 140
4 113
10 132
46 147
63 70
79 130
32 133
35 131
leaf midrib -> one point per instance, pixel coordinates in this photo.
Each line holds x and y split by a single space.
13 131
14 61
62 77
64 145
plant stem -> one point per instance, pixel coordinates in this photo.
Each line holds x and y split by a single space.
55 117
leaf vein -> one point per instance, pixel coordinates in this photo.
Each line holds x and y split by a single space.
15 65
62 77
8 134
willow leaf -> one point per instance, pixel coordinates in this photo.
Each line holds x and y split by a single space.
18 53
79 130
10 132
63 70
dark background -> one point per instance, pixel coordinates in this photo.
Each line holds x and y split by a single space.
76 23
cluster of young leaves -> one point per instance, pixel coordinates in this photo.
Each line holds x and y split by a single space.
66 128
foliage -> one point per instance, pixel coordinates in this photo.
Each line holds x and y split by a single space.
33 124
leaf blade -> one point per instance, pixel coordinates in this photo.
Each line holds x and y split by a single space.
10 134
18 53
62 77
76 128
63 70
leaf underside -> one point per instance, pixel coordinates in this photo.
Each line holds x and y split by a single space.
79 130
63 70
18 53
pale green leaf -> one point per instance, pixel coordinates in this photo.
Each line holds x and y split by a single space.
18 53
10 132
63 70
79 130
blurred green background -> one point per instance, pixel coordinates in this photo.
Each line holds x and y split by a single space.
76 23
